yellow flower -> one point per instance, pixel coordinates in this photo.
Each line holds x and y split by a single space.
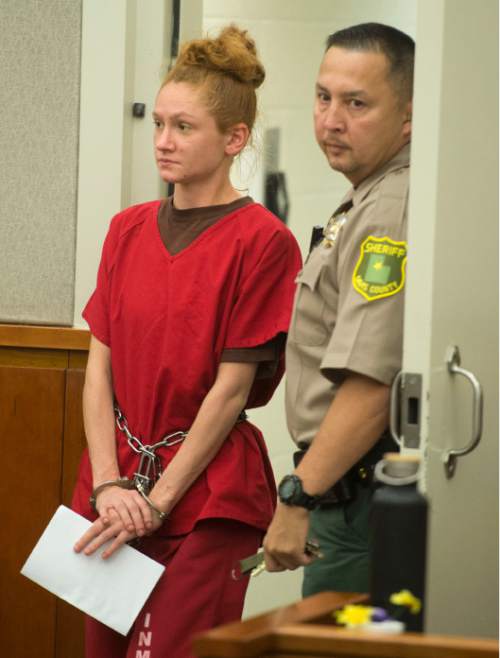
407 599
353 615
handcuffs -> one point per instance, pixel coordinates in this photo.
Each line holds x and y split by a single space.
125 483
149 469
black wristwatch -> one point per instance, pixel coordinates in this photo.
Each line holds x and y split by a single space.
290 492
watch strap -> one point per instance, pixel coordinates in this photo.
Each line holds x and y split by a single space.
299 498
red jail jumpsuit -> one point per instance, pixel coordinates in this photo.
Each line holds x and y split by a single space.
169 319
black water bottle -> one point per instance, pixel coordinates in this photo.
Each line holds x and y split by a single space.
398 535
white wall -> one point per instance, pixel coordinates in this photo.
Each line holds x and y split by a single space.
101 136
124 57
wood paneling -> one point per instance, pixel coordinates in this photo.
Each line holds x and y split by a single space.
69 620
42 432
74 434
78 359
31 425
30 357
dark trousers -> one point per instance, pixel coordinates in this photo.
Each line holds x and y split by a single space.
343 534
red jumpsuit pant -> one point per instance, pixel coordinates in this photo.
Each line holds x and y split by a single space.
195 593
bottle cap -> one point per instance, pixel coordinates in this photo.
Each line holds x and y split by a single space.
401 465
398 469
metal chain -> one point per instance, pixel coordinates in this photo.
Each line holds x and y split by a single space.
149 459
150 468
137 445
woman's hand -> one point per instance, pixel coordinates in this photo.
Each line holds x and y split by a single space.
123 515
101 532
134 512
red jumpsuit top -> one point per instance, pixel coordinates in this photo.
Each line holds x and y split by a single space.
167 320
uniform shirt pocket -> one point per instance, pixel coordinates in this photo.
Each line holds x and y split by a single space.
308 327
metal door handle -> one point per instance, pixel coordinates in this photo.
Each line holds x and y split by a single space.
393 413
450 456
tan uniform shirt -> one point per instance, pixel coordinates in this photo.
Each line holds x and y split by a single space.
348 310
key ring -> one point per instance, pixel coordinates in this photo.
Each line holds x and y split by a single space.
254 565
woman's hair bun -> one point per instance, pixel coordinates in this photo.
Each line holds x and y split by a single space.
232 53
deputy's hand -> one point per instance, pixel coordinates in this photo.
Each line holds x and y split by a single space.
134 512
114 530
286 538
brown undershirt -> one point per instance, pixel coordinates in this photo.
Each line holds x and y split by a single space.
178 229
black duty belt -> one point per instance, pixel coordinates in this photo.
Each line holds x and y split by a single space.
344 490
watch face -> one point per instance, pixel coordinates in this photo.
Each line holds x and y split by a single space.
287 488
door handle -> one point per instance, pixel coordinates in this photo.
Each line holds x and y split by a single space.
394 408
450 456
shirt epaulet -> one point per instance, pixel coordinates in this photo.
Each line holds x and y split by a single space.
392 197
395 183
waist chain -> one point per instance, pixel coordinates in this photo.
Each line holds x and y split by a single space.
150 466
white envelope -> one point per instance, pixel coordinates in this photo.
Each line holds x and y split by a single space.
112 591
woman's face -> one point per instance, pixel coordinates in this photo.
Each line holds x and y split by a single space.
189 147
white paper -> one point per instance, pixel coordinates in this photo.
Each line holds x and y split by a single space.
112 591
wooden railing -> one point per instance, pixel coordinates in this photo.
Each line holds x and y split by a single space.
306 629
58 338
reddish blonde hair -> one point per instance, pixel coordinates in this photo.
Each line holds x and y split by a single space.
228 71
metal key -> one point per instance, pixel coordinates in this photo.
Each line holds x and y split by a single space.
254 564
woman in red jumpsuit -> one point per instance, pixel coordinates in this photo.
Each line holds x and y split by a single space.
193 299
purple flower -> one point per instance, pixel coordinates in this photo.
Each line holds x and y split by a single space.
379 614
